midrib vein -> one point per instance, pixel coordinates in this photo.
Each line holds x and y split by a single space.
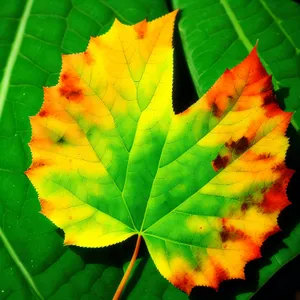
13 55
19 264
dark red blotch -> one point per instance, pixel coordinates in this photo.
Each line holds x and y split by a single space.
240 146
70 88
220 162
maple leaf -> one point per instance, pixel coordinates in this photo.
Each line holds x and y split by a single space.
111 159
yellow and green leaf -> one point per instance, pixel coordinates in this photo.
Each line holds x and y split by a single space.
111 159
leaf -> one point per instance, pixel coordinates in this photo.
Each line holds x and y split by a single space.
33 258
111 159
218 34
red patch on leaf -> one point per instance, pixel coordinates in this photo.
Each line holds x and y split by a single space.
183 281
220 162
43 113
275 199
272 110
70 88
68 242
221 274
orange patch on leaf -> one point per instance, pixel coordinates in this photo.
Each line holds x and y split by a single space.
35 165
46 207
141 29
185 112
183 281
88 57
68 242
221 95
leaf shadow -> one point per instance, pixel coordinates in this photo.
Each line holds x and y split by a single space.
106 256
183 93
288 220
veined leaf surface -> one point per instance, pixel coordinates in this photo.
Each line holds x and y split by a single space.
111 159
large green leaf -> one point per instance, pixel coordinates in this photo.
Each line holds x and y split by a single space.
34 263
216 35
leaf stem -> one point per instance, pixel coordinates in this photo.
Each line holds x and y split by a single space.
128 271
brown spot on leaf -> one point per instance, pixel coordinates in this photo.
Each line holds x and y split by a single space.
71 94
230 233
61 141
240 146
244 207
220 162
183 281
268 97
264 156
215 110
70 88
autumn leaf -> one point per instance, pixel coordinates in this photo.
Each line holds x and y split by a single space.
111 159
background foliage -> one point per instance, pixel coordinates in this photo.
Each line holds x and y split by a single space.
211 35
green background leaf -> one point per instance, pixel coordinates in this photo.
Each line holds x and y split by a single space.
211 43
